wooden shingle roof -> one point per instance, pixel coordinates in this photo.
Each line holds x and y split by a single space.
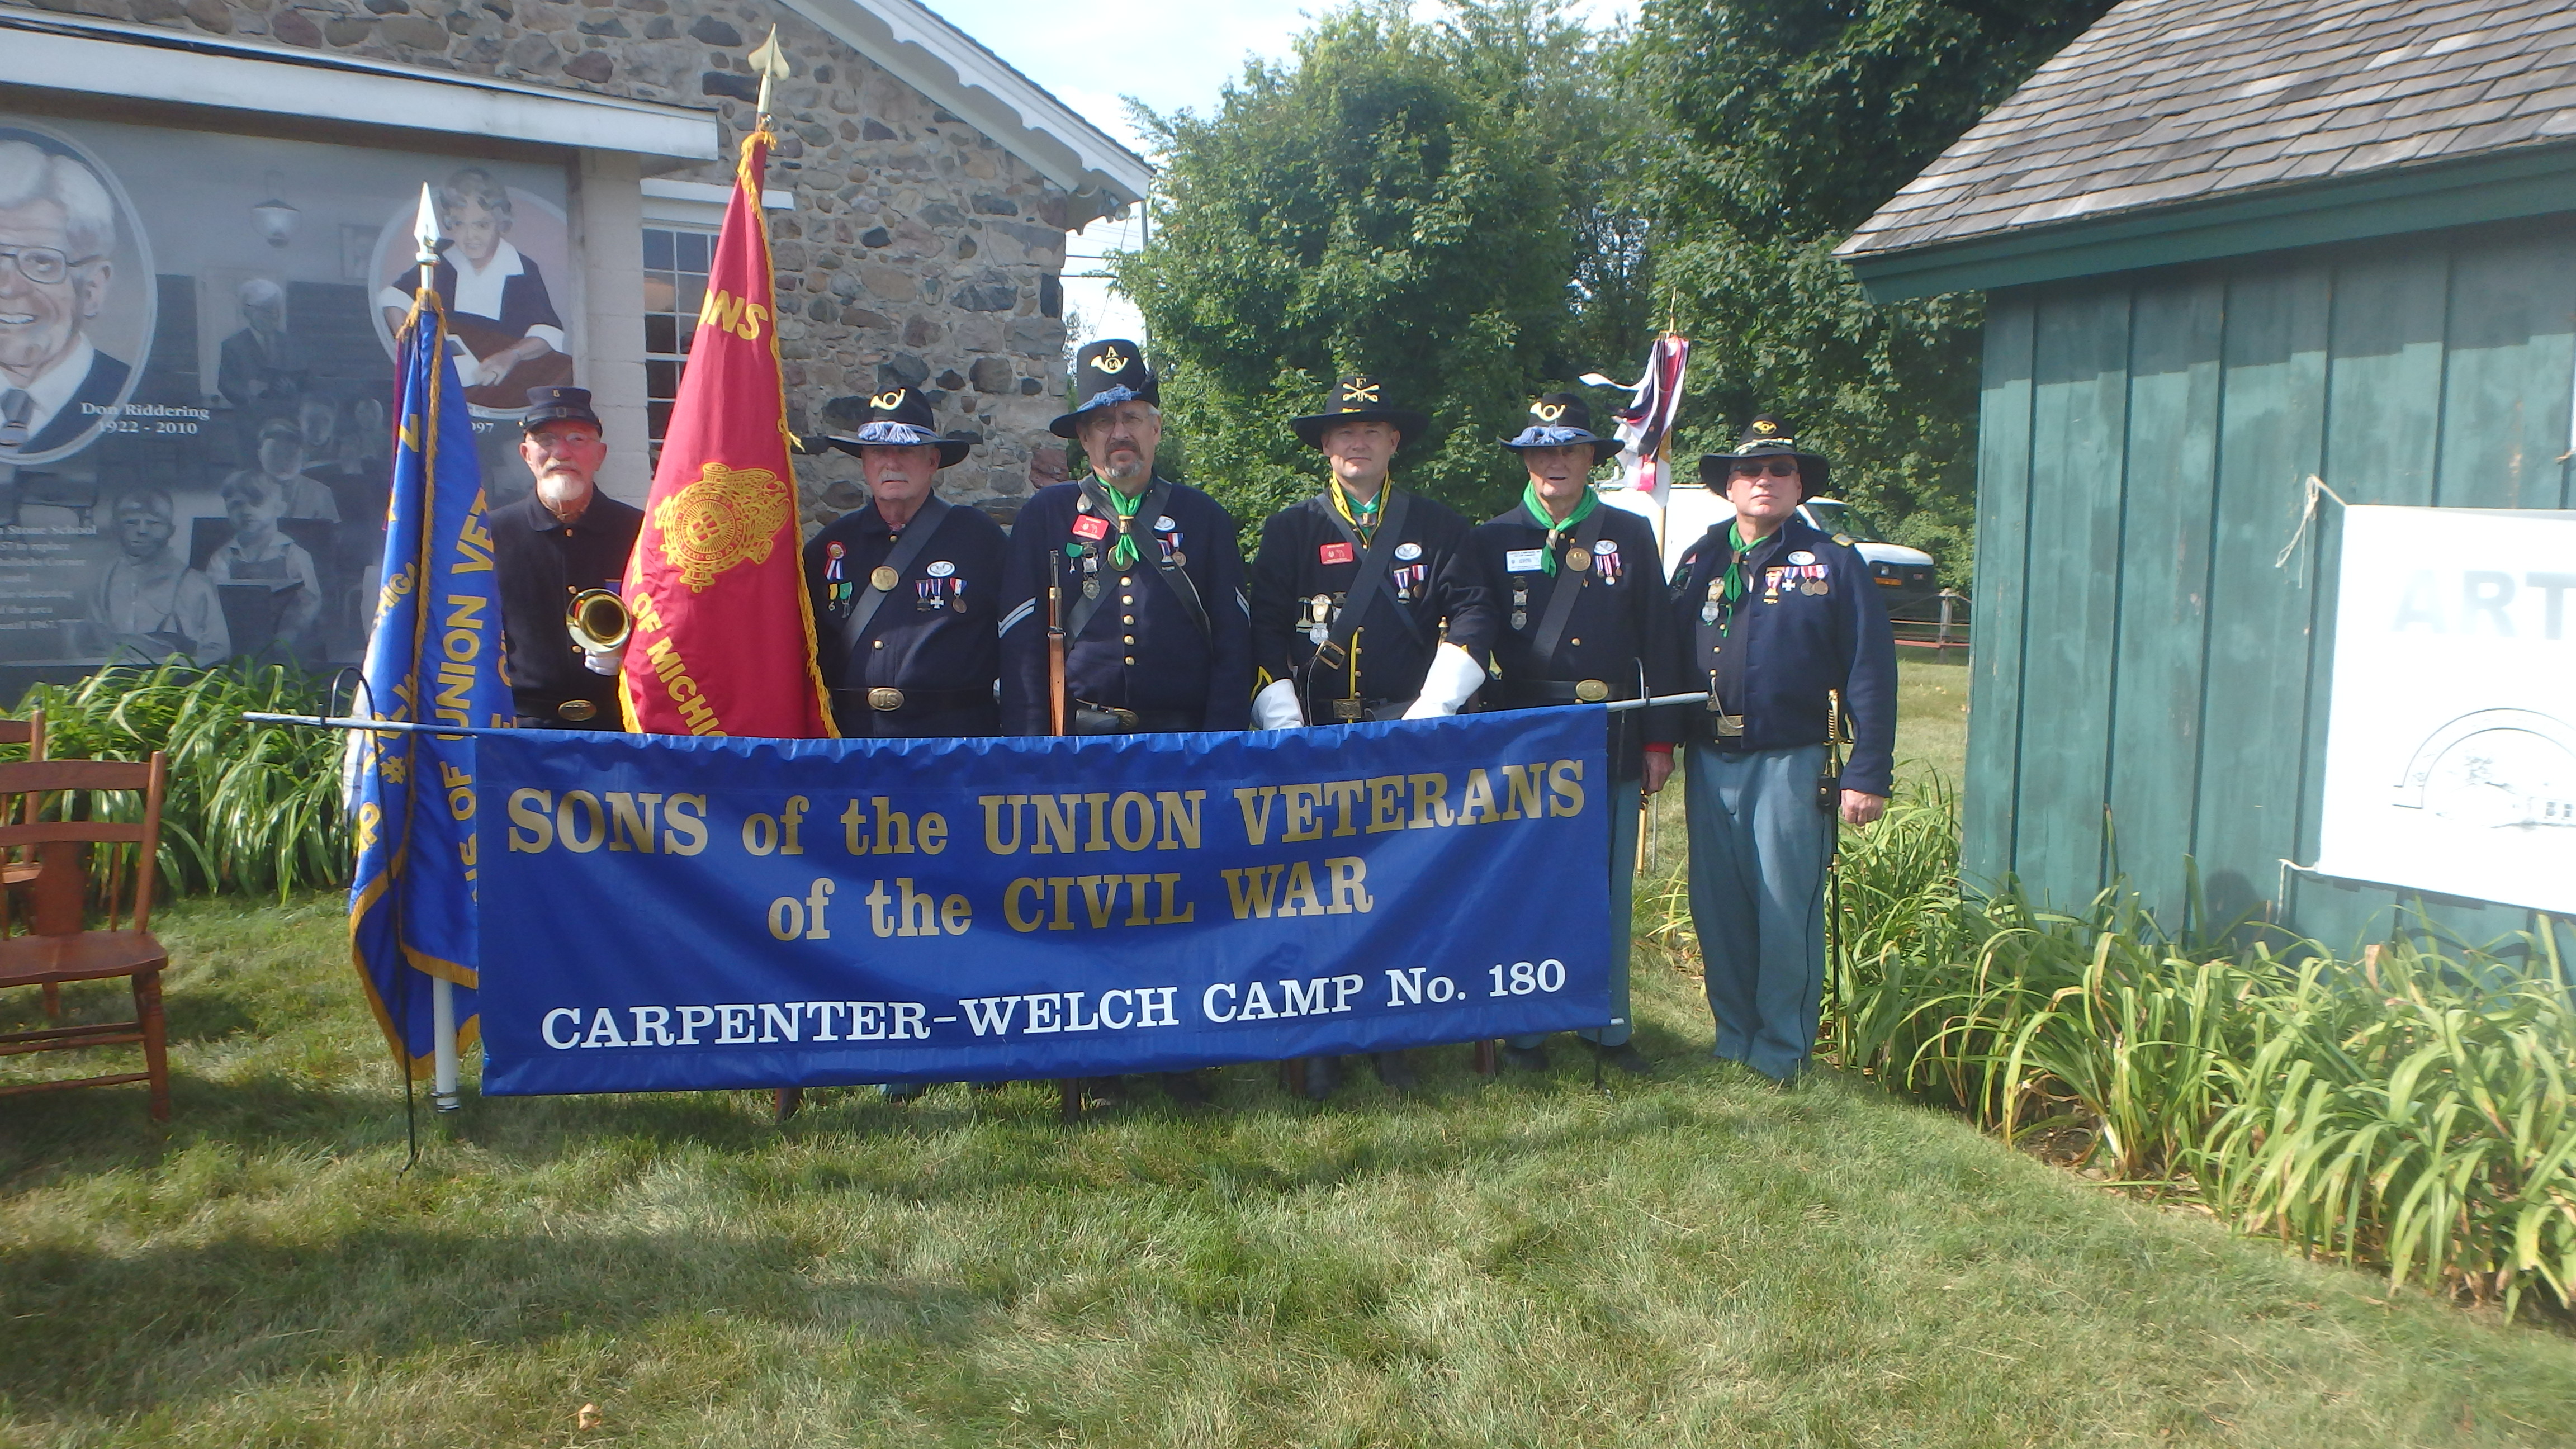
2167 103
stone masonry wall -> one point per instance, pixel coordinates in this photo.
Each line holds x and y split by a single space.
920 253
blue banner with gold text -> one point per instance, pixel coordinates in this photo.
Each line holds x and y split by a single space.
670 913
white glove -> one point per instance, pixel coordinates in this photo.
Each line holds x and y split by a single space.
603 661
1276 707
1450 682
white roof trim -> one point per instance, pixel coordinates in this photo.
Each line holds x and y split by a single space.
149 63
709 193
949 66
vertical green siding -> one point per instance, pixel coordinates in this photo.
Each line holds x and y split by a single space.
2003 520
2160 655
2145 442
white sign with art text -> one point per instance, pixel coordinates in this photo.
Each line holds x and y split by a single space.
2451 750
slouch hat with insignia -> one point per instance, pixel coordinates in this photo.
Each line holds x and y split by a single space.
1106 373
902 419
1767 437
1359 398
1562 420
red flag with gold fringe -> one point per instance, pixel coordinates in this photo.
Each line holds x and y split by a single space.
723 639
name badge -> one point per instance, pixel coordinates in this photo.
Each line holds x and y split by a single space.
1090 526
1334 553
1524 560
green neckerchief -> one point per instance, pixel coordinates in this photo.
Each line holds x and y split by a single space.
1362 517
1538 513
1122 554
1735 560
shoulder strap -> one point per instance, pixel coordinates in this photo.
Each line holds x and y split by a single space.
1372 581
1157 499
854 625
1560 600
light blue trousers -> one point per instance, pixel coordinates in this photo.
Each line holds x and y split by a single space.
1623 896
1758 852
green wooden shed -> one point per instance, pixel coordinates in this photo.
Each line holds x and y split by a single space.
2229 246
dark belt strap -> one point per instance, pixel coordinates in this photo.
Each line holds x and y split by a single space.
1097 719
1158 498
1373 559
916 537
1554 691
1560 599
918 699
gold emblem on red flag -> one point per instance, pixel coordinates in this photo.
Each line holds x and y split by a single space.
729 516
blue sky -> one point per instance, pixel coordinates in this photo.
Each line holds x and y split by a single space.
1169 54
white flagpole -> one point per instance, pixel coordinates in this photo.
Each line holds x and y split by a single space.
442 1015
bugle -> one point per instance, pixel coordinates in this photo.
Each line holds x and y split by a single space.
598 621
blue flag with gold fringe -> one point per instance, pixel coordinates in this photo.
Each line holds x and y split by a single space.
434 658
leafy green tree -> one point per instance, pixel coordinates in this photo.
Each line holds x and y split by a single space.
1398 198
1777 127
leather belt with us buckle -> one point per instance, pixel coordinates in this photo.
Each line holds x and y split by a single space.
1591 691
579 711
884 698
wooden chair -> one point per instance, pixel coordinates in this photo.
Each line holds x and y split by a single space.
20 867
58 947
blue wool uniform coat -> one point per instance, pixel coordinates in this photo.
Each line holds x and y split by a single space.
933 637
1810 620
1433 581
1619 631
540 562
1141 650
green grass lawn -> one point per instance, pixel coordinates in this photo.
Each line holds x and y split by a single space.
1696 1260
1932 718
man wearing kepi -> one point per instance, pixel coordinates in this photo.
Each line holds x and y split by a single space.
1781 624
547 548
904 590
1147 581
1582 595
1366 601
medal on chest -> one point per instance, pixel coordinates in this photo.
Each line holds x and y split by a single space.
1319 619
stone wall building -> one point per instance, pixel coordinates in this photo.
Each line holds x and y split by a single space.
259 155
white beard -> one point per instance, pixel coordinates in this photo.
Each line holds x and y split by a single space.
564 495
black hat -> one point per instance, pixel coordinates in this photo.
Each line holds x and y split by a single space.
555 404
1106 373
902 419
1359 398
1767 437
1561 420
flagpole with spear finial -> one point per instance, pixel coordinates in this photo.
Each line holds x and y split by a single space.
770 63
442 992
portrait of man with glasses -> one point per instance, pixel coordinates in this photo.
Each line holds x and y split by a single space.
57 237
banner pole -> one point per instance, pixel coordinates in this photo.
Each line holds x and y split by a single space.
442 1008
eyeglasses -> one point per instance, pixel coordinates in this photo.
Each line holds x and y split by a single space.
1777 468
43 265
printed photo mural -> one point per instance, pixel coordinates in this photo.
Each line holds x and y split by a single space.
196 335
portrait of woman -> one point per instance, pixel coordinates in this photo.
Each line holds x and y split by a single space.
503 319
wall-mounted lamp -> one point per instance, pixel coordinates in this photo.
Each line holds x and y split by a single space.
273 217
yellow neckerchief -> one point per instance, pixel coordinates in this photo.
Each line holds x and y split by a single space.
1375 508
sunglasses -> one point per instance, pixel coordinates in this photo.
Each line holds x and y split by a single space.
1777 468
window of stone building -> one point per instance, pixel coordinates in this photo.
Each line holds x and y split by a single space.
675 283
